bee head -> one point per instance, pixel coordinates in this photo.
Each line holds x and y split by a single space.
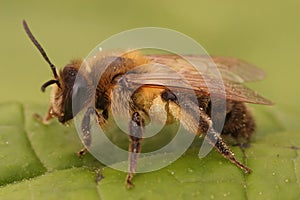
61 102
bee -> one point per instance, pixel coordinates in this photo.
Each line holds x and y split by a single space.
160 87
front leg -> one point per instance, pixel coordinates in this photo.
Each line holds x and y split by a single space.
136 128
86 129
47 118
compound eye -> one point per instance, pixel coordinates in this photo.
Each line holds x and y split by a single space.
69 75
72 73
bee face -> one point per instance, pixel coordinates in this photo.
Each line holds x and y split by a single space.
68 75
61 101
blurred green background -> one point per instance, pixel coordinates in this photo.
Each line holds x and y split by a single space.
265 33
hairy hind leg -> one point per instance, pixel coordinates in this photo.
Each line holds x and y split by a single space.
215 140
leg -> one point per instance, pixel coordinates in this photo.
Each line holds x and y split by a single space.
136 128
216 140
206 126
86 128
47 118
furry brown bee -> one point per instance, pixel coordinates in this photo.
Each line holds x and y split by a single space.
159 87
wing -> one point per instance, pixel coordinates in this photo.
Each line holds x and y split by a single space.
175 72
230 68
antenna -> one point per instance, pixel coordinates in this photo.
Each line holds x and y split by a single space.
42 51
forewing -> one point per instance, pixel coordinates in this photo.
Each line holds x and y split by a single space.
234 91
176 73
231 69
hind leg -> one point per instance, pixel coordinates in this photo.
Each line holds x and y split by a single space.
215 140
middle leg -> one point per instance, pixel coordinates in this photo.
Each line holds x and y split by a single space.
136 128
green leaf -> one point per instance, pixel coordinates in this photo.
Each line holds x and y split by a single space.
71 183
40 162
18 159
